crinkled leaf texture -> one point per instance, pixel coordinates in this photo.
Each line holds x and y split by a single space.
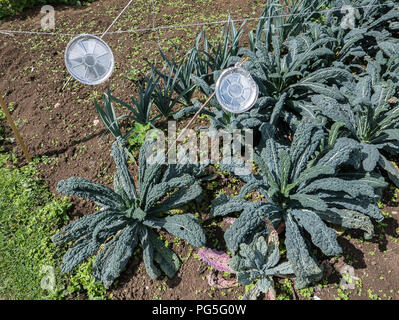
305 266
249 221
258 260
305 185
184 226
129 215
370 112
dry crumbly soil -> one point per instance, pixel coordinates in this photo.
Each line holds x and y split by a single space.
63 129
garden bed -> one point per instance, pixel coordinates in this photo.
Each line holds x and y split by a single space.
64 131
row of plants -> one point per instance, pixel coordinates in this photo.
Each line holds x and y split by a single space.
326 118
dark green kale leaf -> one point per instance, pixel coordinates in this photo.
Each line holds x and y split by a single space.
304 188
258 261
369 115
129 216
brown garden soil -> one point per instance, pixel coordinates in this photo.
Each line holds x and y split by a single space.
63 129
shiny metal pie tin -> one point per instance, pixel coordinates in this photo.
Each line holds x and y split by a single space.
89 59
236 91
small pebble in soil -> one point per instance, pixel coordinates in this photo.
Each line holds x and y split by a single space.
348 277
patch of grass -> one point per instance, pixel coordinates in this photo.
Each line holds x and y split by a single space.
29 262
29 215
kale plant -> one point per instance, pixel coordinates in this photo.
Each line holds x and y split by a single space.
374 20
351 45
222 119
285 19
346 45
129 217
285 71
303 187
257 261
296 67
370 116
